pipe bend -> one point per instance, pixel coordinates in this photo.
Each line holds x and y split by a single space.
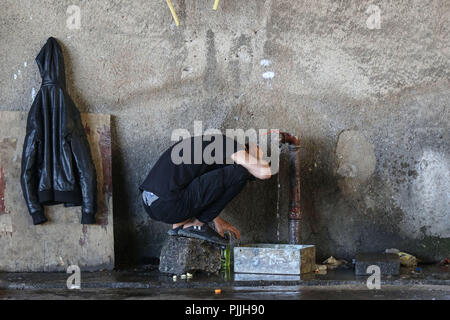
289 139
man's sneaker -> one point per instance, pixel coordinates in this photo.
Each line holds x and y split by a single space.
204 232
174 232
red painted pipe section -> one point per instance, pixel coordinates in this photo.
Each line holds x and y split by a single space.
295 214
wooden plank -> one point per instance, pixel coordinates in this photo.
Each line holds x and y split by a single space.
62 241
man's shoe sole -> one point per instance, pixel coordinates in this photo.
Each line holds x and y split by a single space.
174 232
200 237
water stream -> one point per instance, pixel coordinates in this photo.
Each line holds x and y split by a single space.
278 197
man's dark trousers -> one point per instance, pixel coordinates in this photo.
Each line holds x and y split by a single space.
204 198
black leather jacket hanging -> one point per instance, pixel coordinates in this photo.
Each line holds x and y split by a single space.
57 166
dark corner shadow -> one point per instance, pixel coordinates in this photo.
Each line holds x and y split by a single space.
123 235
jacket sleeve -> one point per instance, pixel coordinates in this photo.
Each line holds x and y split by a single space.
86 171
29 178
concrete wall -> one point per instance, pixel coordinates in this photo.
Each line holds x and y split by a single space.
370 105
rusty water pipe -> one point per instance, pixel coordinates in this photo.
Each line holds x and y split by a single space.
295 214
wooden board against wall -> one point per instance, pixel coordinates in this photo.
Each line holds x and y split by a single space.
62 241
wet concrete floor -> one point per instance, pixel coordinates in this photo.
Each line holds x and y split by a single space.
349 292
433 282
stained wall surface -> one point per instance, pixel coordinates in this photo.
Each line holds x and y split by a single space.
364 84
62 241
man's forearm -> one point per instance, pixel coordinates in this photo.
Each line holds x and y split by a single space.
258 168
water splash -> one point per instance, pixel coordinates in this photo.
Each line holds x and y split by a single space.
278 199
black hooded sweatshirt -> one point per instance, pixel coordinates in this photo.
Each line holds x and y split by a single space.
57 166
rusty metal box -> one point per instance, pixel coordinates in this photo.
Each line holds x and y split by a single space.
275 259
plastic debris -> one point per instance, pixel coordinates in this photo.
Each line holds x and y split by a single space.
174 278
392 250
406 259
333 263
330 261
445 262
189 276
183 276
321 269
218 291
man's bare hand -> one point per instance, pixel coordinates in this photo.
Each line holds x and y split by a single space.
222 226
259 168
255 151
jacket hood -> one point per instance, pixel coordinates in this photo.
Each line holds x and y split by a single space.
51 63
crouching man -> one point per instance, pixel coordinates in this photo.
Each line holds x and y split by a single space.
188 189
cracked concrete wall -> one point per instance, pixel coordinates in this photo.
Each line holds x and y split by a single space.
370 106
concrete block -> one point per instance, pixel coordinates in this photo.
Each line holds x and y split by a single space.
389 263
180 255
62 241
275 259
